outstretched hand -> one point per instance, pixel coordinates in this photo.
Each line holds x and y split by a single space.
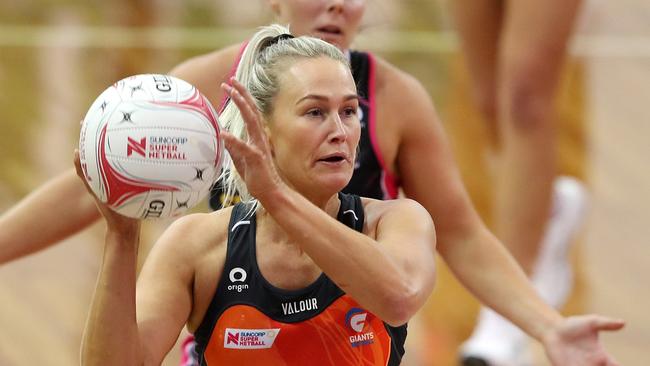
575 342
253 158
115 221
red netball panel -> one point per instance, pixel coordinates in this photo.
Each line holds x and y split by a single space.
118 187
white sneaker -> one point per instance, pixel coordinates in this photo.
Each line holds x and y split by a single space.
495 341
552 275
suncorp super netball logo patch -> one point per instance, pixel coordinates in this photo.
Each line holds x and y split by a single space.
356 320
249 338
157 147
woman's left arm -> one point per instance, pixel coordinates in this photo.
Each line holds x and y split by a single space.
391 274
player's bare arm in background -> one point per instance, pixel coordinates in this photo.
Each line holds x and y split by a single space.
53 212
62 207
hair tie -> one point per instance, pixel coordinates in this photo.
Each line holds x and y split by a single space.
279 38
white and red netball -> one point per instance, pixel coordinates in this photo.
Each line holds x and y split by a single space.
150 146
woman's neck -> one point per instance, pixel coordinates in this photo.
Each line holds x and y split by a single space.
275 231
330 205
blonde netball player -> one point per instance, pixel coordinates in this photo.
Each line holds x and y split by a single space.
297 271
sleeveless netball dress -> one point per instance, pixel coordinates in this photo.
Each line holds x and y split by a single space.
251 322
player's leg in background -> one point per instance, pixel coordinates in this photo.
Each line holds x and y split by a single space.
532 52
531 55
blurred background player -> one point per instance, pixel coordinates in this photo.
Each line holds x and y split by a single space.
515 52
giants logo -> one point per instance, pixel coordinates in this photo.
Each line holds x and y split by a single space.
140 148
356 320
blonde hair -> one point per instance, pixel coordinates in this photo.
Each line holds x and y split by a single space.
268 53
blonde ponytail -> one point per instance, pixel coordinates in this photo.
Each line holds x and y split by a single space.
267 54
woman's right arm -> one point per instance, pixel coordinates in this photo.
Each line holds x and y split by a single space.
138 326
131 324
111 335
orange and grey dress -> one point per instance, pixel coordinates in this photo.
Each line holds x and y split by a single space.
251 322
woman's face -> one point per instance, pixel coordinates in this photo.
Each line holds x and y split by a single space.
334 21
313 127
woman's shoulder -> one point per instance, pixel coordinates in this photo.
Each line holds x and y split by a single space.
389 76
392 213
378 208
208 63
395 88
200 229
400 203
208 71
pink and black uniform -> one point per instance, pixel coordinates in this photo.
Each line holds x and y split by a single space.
251 322
371 177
